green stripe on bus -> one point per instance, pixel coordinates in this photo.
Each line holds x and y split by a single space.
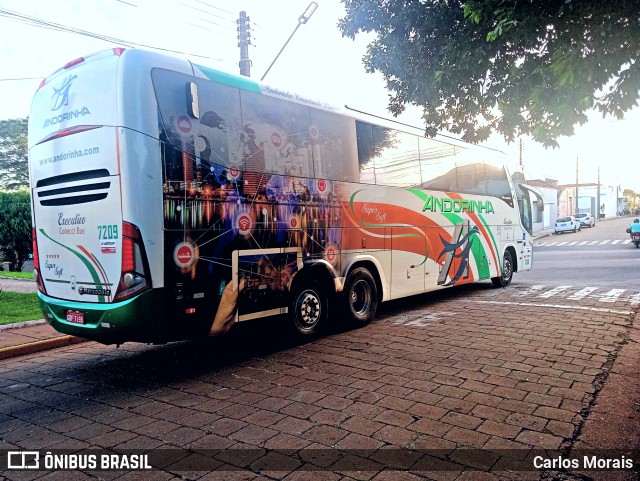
79 306
476 248
495 244
87 264
230 80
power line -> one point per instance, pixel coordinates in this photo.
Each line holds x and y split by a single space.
217 8
21 78
217 25
202 11
55 26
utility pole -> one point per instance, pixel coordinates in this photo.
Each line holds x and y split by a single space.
577 184
598 195
244 40
521 161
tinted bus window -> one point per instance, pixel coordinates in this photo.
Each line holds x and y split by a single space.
397 157
333 143
276 135
366 153
435 163
497 183
216 137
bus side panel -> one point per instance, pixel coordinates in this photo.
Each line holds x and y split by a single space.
140 158
429 232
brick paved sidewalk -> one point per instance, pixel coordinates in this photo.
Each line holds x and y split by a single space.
447 371
30 337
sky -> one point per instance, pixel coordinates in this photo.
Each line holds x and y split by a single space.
317 63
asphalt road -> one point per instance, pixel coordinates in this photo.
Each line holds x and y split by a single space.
600 257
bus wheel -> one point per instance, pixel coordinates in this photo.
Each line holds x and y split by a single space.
308 309
507 271
360 297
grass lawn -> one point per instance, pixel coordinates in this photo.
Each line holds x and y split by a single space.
17 275
19 307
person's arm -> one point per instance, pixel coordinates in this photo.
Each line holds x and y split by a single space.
226 315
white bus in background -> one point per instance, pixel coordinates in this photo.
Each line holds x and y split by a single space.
156 181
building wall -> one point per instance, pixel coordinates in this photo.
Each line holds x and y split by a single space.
608 200
566 202
548 216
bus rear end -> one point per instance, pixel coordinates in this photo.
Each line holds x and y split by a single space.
90 261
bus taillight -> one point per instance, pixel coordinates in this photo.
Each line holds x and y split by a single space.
36 263
134 273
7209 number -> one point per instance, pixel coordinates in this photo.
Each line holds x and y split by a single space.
108 231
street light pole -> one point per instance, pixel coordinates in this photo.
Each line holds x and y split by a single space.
302 19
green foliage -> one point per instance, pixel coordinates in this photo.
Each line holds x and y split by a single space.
14 170
527 67
15 226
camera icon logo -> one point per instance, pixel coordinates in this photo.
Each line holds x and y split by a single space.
23 460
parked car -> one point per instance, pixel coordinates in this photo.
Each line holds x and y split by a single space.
566 224
586 219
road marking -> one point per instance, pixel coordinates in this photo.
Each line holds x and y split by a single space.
422 320
530 290
557 306
634 299
612 295
554 291
582 243
582 293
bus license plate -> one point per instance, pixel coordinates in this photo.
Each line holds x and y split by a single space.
75 317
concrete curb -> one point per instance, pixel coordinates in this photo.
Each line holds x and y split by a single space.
38 346
16 278
21 325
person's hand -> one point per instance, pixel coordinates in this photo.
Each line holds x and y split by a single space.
226 315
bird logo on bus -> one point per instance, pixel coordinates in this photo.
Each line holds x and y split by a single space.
61 94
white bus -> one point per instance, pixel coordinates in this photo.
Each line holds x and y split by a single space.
156 181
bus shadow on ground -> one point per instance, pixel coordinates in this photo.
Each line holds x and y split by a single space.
135 365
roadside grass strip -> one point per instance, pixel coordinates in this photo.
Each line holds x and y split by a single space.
19 307
16 275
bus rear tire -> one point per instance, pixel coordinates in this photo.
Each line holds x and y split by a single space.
308 309
504 279
360 297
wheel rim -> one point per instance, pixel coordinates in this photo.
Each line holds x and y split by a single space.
308 309
506 269
360 297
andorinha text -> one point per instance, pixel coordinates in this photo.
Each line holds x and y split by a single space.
444 204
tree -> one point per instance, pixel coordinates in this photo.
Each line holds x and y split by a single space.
14 170
15 226
631 197
516 67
